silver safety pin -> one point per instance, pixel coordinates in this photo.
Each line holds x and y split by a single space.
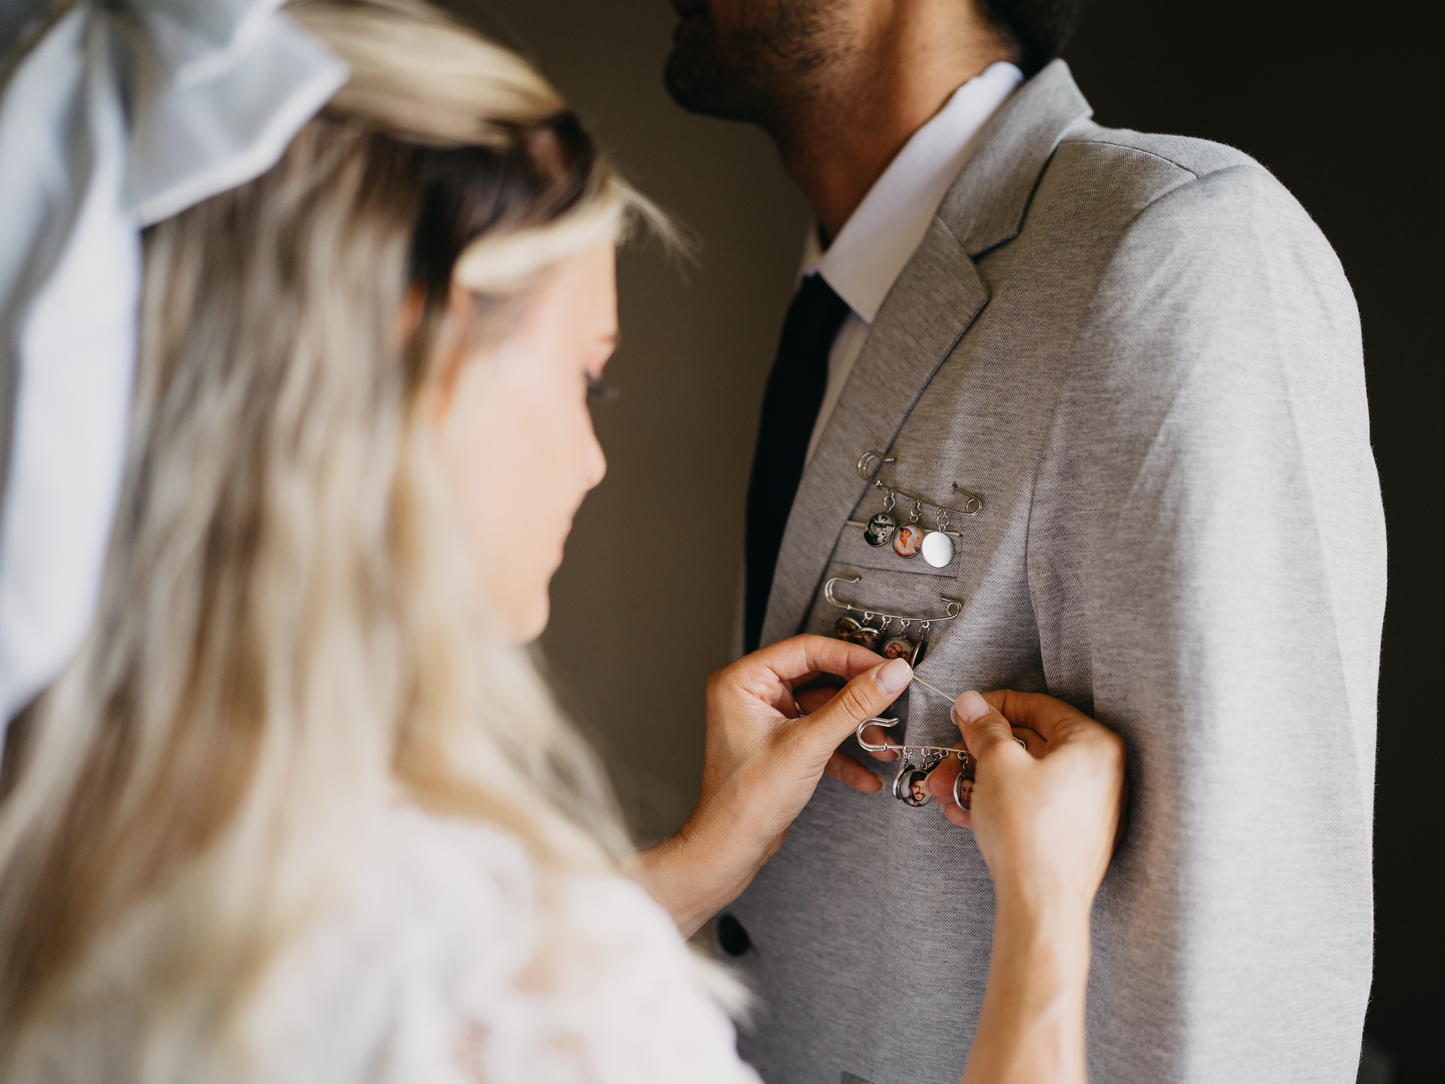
952 610
917 760
888 746
971 507
940 692
886 723
951 700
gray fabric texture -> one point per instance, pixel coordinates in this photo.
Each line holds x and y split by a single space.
1144 356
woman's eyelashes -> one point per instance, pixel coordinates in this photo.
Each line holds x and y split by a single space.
598 391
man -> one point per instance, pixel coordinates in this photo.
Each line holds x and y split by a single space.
1143 360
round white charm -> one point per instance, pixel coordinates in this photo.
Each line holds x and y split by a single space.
937 548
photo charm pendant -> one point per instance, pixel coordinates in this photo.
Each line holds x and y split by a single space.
912 538
869 637
878 531
855 632
901 647
908 541
894 636
963 786
911 786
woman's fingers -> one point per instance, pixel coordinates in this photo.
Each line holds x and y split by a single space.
1055 813
985 730
940 780
1038 712
1089 742
815 697
961 817
862 698
845 769
799 657
1033 742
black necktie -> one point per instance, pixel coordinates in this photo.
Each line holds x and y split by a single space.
790 408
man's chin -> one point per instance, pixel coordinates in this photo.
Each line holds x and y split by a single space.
697 77
685 64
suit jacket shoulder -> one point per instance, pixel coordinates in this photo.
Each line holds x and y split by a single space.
1179 189
1197 157
1178 236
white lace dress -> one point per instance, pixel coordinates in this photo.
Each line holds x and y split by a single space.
441 971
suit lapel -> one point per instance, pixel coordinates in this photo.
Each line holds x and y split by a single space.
985 206
936 298
928 310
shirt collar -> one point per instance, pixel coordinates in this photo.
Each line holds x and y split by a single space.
881 235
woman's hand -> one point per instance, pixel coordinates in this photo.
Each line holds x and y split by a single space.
1046 821
761 765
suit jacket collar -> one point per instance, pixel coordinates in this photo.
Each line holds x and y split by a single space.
985 206
932 304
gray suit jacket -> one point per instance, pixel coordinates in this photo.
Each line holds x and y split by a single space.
1143 355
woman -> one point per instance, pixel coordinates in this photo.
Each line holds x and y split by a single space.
301 808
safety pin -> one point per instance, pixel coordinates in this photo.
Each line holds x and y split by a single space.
888 746
917 761
952 610
886 723
971 507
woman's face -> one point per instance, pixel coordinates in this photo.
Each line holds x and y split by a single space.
516 434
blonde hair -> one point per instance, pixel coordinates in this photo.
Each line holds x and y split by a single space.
291 631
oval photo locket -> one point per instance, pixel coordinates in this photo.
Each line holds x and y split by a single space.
899 647
908 540
879 529
869 637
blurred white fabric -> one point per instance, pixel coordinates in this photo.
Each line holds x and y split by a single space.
121 114
442 956
445 968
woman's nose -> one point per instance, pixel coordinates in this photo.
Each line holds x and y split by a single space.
596 466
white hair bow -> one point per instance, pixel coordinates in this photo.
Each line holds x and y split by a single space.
121 114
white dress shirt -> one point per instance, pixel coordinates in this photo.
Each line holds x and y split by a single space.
880 236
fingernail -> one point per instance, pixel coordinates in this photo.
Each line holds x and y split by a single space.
970 707
894 676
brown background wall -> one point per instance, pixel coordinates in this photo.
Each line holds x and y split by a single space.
1332 100
643 609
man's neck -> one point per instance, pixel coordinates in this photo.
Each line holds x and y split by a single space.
871 105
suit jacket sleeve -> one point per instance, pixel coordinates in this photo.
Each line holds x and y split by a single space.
1206 560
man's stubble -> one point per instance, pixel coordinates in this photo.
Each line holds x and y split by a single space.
770 62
